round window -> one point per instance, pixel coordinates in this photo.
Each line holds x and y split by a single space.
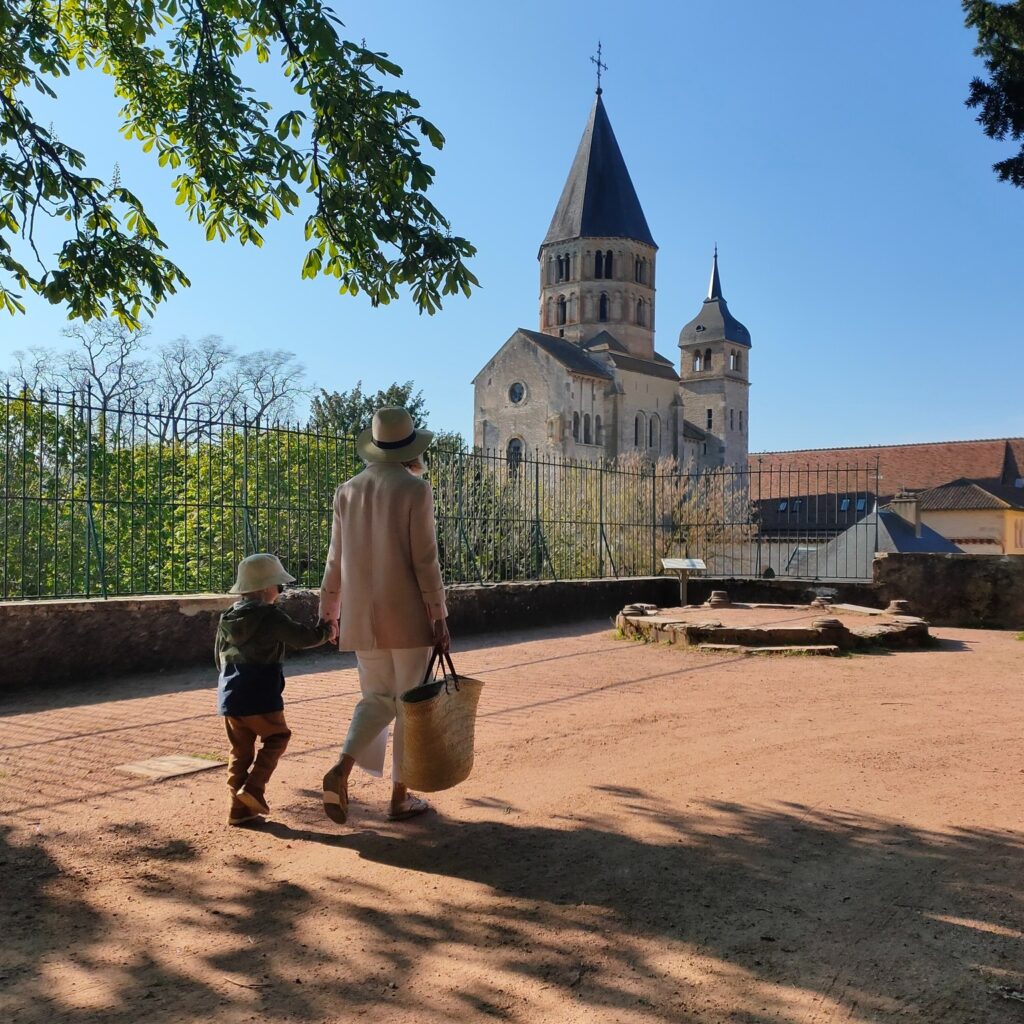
517 393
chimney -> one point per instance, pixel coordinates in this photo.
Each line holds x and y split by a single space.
908 508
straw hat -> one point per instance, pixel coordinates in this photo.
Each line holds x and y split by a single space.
393 437
257 572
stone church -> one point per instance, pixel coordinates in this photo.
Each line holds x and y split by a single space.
589 384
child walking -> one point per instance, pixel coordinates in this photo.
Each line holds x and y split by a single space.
250 648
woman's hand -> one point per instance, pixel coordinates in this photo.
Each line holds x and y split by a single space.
442 638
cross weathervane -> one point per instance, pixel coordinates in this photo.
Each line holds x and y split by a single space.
601 66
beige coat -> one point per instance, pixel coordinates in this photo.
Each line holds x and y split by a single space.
382 578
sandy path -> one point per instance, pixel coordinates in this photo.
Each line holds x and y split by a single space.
649 835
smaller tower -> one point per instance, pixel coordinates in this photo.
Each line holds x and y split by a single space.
715 371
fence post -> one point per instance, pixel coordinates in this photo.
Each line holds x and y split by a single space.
538 564
92 540
654 519
600 519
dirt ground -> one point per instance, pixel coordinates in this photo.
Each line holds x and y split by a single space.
649 834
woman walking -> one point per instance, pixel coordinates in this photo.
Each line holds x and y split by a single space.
382 588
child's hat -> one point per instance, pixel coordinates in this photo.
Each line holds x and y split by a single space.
257 572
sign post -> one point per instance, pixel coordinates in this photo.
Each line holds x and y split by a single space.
683 567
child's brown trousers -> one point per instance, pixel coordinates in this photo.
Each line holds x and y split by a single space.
246 768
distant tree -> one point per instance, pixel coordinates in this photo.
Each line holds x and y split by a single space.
1001 99
449 441
108 361
266 385
346 413
189 381
350 144
181 382
32 370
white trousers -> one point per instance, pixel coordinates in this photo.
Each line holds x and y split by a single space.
384 675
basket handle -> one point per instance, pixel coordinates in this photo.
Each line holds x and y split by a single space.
444 659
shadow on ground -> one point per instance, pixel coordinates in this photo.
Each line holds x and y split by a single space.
19 700
739 913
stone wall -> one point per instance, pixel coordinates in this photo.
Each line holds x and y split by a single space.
956 590
784 591
45 642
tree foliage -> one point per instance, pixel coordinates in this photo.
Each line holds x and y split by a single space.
347 413
349 143
1000 100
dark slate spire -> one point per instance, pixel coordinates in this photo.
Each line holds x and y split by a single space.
714 322
598 200
715 285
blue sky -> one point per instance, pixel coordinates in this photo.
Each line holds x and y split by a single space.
863 237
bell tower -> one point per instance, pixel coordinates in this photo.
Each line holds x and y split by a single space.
597 260
714 352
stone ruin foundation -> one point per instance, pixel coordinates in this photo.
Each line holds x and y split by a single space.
817 629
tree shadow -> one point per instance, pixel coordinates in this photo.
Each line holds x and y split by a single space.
17 700
787 913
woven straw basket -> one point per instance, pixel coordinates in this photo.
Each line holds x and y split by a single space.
438 724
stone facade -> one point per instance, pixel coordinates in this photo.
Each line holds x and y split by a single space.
715 390
590 285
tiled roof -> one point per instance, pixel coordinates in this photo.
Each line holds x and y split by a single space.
692 432
571 356
968 495
606 342
598 200
795 512
904 466
851 553
657 367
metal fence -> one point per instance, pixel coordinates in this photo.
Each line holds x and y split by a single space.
811 522
101 501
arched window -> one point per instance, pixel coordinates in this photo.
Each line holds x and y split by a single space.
641 312
697 362
732 360
707 359
608 264
587 439
514 453
598 265
654 433
639 430
599 430
568 266
739 361
602 308
560 310
575 426
741 421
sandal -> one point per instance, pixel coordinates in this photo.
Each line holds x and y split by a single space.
414 807
335 797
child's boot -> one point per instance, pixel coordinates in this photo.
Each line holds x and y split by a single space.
240 813
253 799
